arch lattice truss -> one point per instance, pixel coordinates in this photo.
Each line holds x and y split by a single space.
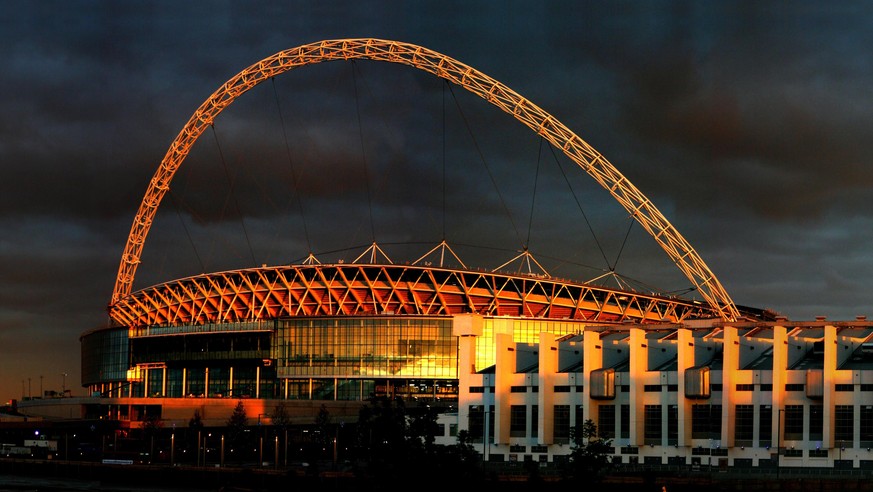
541 122
349 289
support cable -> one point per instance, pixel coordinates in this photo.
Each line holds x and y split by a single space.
363 153
445 84
230 184
581 210
623 243
485 163
294 179
175 202
534 196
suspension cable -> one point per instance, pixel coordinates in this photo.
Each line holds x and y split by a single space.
445 84
363 152
232 196
294 180
175 201
621 249
579 204
485 163
533 198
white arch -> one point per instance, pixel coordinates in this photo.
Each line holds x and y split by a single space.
541 122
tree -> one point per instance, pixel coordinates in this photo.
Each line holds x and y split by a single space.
281 420
195 427
589 453
280 417
151 426
237 427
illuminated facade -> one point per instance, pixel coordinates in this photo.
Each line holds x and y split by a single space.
701 393
520 359
347 332
327 333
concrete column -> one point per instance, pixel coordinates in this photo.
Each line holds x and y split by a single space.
685 360
592 359
831 347
504 371
729 371
548 368
780 370
639 364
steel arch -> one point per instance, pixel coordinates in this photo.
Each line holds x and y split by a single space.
532 116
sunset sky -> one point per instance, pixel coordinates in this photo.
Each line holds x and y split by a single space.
748 124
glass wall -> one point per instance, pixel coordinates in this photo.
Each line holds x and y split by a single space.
104 356
523 331
409 347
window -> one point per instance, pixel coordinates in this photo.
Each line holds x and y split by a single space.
844 424
477 389
816 422
765 425
744 424
562 424
518 421
866 424
534 421
672 425
476 422
706 421
766 387
562 389
844 387
745 387
652 424
518 389
794 387
793 428
606 421
652 388
625 421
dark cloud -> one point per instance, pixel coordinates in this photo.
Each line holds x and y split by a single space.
747 123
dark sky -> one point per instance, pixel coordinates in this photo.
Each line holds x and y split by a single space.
748 123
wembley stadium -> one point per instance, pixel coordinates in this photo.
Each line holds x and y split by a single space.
346 332
515 357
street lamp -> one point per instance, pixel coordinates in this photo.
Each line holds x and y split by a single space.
261 440
778 441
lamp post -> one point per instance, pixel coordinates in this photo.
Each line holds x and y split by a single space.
778 441
261 440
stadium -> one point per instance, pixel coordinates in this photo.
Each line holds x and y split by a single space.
516 358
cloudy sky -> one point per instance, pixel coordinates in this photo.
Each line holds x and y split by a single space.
748 124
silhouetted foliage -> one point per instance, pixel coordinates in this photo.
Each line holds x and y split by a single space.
399 443
280 417
237 431
590 454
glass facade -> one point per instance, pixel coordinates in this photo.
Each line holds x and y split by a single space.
365 347
523 331
104 356
345 358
